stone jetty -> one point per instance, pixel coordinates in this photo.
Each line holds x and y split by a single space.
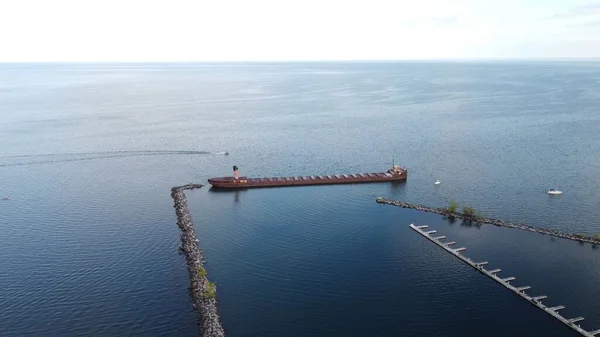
495 222
202 291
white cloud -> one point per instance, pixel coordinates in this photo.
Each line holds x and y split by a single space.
220 30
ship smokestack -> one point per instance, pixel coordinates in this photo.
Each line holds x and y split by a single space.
236 175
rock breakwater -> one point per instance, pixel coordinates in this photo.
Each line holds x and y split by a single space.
202 291
491 221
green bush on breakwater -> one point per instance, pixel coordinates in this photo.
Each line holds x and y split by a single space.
210 291
453 206
468 211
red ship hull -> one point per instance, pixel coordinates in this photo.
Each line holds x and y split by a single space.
244 182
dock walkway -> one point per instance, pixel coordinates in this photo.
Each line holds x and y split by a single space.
536 300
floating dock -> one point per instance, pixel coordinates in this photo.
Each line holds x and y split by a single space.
535 300
396 173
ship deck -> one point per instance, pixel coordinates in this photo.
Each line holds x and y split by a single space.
245 182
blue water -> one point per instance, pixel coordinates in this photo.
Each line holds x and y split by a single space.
89 153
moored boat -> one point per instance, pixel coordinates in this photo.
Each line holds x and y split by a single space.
396 173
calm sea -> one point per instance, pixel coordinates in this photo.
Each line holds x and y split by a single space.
89 152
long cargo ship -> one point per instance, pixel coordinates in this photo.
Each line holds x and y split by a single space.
396 173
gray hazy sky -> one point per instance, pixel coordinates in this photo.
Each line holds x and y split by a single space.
263 30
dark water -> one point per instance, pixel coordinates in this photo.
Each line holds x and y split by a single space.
89 153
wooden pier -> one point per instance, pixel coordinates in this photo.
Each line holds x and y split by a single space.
520 291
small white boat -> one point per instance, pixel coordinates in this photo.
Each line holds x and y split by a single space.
223 153
553 191
437 182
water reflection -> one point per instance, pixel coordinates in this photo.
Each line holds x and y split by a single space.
470 223
397 186
236 193
451 220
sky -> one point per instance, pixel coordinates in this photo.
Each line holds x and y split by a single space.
270 30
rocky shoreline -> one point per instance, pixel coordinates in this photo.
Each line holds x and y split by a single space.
495 222
202 291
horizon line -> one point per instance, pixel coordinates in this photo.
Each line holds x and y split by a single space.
470 59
